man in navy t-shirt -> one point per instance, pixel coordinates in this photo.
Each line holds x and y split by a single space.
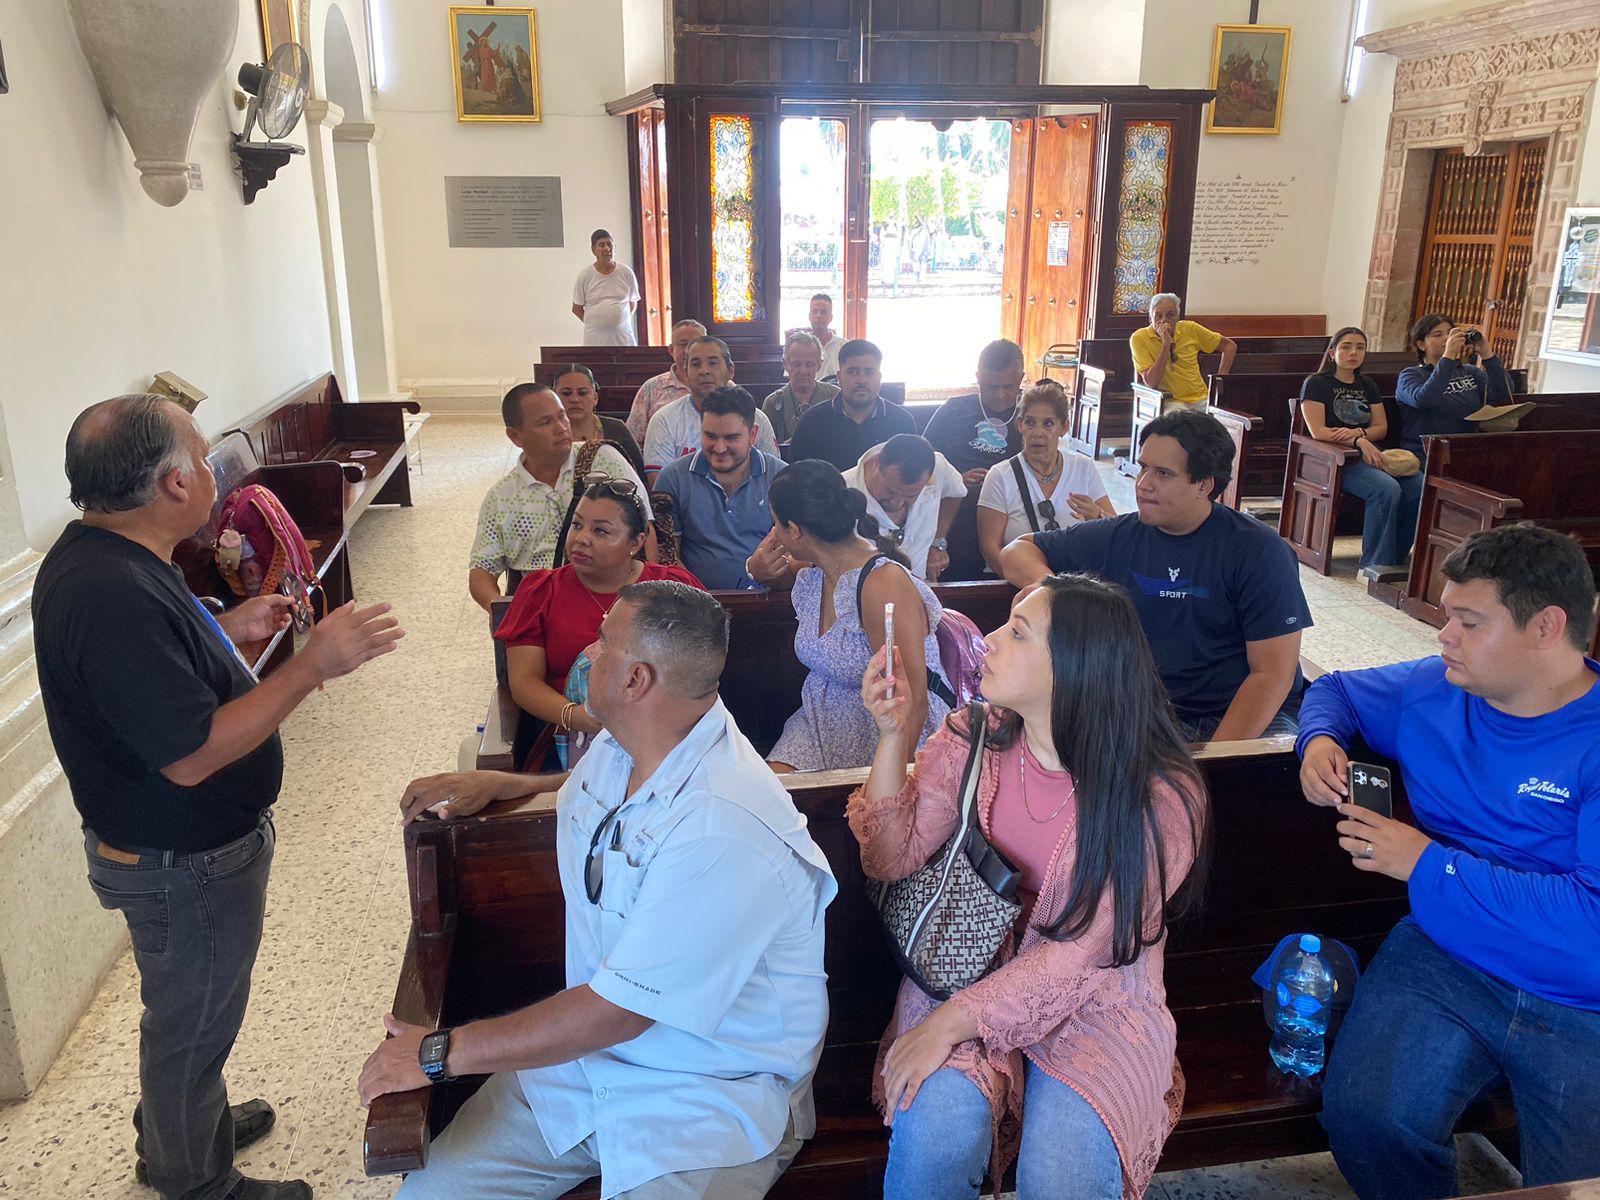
1218 592
1495 975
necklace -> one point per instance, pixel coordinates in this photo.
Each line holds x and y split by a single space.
1022 776
1046 480
604 609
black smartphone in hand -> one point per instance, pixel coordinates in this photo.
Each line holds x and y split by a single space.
1372 788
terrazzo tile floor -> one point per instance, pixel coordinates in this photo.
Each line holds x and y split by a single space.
337 912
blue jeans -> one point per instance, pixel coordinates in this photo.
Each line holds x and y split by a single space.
939 1147
1425 1037
1390 524
1285 724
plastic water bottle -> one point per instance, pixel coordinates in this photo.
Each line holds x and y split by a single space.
1303 990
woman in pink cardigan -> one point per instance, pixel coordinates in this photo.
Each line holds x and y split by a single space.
1062 1057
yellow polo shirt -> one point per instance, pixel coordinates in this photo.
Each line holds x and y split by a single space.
1189 341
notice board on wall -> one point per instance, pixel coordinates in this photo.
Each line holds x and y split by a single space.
503 211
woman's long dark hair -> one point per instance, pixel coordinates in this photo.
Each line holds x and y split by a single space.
1329 364
1424 326
812 494
1114 731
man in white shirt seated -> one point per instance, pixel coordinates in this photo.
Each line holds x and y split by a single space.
658 391
914 493
678 1060
675 430
522 518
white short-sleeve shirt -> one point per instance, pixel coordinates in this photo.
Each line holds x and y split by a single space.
710 923
674 431
608 303
1000 492
520 518
922 522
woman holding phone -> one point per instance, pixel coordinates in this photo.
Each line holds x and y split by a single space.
824 526
1062 1056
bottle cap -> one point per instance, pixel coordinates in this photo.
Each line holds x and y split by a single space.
1310 943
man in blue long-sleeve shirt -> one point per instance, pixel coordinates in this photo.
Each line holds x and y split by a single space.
1442 391
1495 975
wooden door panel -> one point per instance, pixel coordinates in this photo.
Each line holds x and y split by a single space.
1018 209
1063 191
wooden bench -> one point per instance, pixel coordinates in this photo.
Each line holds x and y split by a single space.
312 492
367 441
487 937
1315 510
1478 481
761 681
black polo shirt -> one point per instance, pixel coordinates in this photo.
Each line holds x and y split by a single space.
827 432
131 672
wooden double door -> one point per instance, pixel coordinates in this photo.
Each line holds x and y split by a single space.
1482 215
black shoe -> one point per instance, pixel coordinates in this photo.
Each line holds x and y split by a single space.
270 1189
252 1121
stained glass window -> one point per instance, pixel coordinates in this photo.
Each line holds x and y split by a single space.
733 220
1142 214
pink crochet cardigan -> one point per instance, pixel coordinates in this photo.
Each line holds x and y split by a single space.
1105 1032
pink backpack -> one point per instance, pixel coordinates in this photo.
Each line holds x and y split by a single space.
266 549
960 649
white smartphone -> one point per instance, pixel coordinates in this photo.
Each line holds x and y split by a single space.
888 646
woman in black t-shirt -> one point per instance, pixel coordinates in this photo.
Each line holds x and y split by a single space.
1341 405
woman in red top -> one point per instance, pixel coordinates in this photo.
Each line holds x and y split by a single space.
557 614
1064 1051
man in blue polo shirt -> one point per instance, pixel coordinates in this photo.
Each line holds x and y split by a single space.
719 494
1218 592
855 420
1495 976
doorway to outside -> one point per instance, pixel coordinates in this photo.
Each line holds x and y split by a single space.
922 274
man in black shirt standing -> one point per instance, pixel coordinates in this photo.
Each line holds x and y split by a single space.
855 420
170 745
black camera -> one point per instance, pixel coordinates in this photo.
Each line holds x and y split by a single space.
1472 337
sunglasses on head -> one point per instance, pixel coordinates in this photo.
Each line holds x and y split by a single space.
1047 510
617 487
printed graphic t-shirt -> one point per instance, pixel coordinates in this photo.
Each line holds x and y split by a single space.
1344 405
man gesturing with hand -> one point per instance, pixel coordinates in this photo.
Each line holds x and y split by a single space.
1495 975
170 745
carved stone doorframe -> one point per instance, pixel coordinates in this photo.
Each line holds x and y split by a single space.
1514 72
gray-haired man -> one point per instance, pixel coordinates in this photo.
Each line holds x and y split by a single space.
170 746
802 360
1166 353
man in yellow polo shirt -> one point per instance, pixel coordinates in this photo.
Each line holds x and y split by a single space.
1166 354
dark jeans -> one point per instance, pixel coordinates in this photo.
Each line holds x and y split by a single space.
1425 1037
1285 724
195 920
1389 525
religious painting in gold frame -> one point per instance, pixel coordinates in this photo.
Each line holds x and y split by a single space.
495 52
277 25
1249 70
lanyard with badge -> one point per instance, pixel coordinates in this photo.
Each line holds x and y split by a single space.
227 641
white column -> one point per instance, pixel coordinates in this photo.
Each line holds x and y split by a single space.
322 118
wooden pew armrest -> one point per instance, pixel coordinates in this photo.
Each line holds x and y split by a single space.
495 748
1470 495
313 492
384 420
397 1132
1310 447
1248 420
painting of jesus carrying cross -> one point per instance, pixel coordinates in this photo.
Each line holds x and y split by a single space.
496 55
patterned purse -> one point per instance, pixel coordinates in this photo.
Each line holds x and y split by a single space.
950 917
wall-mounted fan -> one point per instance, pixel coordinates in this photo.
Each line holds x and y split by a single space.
277 90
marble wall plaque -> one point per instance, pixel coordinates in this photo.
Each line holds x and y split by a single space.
501 211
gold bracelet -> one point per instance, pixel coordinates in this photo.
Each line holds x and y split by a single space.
565 722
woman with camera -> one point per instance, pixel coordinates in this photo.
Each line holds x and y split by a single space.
1062 1054
1438 394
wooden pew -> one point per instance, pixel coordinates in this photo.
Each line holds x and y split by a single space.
315 424
1479 481
762 679
487 937
313 492
1314 508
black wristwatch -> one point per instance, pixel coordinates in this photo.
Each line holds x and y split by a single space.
435 1049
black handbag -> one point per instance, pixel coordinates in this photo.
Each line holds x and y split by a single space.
950 917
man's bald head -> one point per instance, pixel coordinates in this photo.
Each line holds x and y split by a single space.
679 630
119 450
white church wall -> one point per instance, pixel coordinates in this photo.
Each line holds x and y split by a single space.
1093 41
644 44
1562 376
470 316
1290 176
105 288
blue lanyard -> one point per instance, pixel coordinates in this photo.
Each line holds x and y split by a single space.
226 640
